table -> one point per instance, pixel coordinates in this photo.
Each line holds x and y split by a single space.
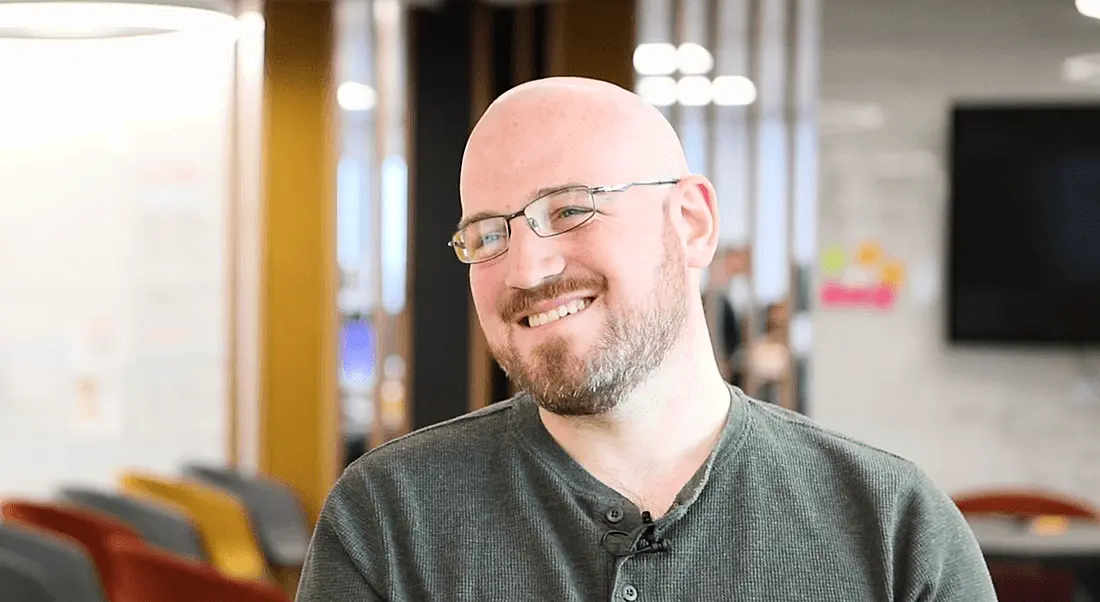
1071 544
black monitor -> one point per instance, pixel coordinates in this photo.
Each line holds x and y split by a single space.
1024 225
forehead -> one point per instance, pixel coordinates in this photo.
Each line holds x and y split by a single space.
511 163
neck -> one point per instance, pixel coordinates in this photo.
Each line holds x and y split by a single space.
666 427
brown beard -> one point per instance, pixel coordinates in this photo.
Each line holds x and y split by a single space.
633 343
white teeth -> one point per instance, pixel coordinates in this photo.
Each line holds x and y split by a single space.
557 313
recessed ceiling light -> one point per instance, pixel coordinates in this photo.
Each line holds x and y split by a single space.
355 96
694 91
82 20
693 59
659 91
656 58
1089 8
733 90
1082 69
844 116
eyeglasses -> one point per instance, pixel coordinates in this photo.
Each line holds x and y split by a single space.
551 214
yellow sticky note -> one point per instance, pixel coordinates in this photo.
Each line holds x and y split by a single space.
833 260
893 274
869 253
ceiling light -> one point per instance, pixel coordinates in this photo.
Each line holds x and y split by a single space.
846 117
1082 69
694 91
1089 8
693 59
354 96
733 90
655 59
659 91
81 20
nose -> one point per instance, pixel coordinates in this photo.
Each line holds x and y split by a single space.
531 259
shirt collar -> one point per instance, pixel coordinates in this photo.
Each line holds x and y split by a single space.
532 434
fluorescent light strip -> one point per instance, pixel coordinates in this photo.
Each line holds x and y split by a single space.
92 20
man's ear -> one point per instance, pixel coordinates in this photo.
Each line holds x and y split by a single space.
697 221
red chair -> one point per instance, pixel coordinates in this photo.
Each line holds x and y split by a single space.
1017 582
1025 504
90 529
145 574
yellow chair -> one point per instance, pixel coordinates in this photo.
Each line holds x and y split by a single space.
221 521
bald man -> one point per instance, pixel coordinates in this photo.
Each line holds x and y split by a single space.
627 469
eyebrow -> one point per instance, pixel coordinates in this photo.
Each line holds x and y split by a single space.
541 192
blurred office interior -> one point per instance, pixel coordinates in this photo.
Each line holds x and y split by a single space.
224 273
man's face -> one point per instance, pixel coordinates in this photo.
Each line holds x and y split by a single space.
578 320
584 363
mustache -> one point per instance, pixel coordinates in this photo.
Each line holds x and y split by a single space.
519 303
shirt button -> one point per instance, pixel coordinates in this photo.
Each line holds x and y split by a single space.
630 594
615 515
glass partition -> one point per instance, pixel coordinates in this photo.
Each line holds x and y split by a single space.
738 81
372 221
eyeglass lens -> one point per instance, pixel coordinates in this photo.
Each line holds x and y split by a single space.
550 215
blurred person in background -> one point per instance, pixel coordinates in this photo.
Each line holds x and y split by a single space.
727 324
769 356
626 469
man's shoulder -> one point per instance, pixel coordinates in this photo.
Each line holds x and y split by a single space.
867 506
798 440
462 440
791 450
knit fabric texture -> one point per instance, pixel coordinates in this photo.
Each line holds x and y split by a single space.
489 507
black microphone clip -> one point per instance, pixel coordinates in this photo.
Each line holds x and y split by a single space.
644 543
648 542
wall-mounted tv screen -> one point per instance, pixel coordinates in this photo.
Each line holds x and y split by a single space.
1023 259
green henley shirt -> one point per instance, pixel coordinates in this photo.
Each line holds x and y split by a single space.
489 507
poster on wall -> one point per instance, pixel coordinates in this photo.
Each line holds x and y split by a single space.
95 387
864 277
177 296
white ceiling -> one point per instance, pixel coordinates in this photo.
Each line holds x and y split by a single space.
916 40
913 24
909 58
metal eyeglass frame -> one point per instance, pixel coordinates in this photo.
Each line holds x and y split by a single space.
592 192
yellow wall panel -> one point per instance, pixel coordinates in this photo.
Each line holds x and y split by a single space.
299 429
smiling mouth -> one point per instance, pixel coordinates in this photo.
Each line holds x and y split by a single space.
562 311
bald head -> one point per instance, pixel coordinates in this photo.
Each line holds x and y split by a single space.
580 319
569 130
